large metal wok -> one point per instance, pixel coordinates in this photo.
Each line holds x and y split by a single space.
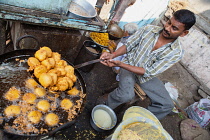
13 70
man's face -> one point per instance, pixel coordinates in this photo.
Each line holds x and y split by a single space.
173 29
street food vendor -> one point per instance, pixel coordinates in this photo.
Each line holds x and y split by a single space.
150 51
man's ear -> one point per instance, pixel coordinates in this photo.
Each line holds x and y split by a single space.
185 32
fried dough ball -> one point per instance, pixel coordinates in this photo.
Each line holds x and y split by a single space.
52 119
69 69
56 56
61 70
40 92
39 70
48 50
62 63
34 116
52 62
45 80
33 62
72 77
57 72
41 54
46 63
43 105
31 83
66 104
62 84
74 91
12 110
12 94
54 78
70 82
29 98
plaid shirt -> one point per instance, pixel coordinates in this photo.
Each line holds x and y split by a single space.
140 54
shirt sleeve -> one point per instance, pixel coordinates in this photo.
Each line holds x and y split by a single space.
162 64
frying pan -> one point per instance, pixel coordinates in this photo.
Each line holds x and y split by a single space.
24 54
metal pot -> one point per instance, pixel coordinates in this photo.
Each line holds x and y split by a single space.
24 54
81 9
86 55
115 32
107 109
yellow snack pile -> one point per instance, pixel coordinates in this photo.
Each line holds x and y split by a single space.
100 38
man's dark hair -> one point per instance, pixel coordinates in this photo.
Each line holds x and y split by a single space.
186 17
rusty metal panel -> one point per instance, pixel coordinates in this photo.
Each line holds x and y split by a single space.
52 6
64 41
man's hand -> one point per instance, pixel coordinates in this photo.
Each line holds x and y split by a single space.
106 56
112 63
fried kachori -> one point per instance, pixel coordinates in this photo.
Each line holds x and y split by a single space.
62 84
51 119
29 98
12 110
45 80
72 76
34 116
61 63
69 69
43 105
48 51
13 94
33 62
40 92
66 104
39 70
56 56
47 64
41 54
54 78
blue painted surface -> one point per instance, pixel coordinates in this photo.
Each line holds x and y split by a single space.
46 6
143 12
71 23
53 6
